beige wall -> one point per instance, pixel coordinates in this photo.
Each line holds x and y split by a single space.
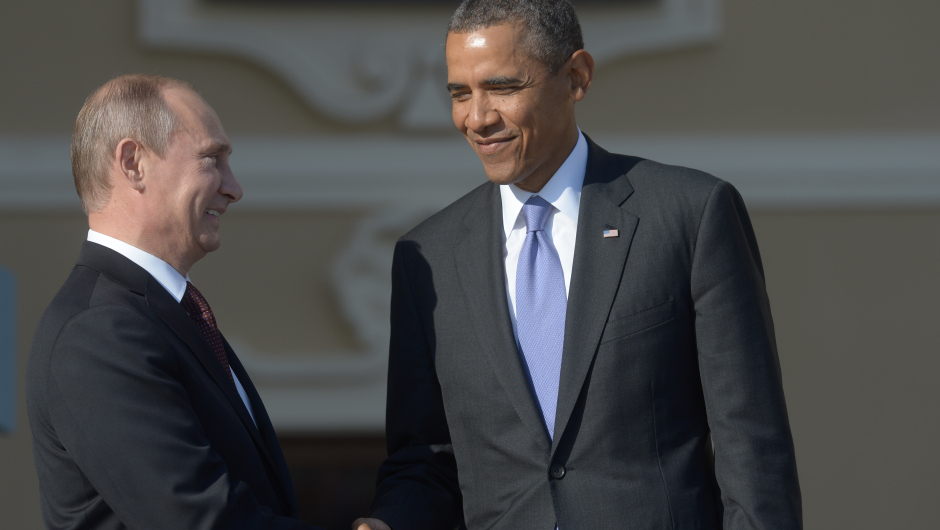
853 294
802 65
853 290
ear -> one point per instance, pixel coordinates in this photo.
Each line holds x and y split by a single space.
580 69
129 159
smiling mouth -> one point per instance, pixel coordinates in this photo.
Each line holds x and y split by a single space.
492 145
214 213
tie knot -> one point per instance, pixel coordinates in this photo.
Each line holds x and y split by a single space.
198 309
535 211
194 303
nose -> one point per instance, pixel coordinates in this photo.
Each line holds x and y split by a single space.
230 187
481 114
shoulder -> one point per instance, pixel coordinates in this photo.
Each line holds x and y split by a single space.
668 199
440 227
91 321
108 335
94 334
658 180
669 190
646 183
88 288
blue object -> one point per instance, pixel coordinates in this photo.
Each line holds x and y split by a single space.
541 305
7 351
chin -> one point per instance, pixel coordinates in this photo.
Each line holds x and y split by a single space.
210 244
502 178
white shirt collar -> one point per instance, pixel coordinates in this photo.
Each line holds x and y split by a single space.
169 278
563 190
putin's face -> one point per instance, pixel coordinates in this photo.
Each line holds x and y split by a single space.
517 116
192 184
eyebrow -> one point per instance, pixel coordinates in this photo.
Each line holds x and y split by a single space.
501 80
218 148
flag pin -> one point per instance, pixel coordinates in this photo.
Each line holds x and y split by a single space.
611 233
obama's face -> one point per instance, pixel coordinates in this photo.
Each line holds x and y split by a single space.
516 114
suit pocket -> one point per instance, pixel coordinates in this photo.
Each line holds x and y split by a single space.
642 320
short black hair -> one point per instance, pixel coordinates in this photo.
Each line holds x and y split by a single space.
551 28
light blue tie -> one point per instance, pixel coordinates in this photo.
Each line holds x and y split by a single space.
541 304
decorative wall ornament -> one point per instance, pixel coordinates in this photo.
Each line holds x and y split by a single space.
344 391
361 278
360 64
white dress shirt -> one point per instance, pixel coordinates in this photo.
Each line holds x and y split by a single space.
563 191
167 276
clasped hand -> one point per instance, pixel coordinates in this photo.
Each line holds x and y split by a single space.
369 524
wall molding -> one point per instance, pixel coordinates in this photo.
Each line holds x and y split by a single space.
772 171
359 64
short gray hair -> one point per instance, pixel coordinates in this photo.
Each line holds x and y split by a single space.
128 106
551 28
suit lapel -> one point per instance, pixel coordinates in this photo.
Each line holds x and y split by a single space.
598 265
172 313
478 258
271 447
136 279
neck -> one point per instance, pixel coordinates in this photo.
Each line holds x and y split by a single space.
132 234
540 177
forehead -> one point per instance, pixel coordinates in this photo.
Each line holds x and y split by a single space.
496 47
197 120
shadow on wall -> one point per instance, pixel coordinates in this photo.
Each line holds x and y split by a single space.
334 476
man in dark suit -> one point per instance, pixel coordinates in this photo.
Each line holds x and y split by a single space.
585 341
141 414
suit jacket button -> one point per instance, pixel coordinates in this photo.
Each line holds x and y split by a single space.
558 471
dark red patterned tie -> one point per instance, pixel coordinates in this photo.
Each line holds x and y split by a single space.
201 313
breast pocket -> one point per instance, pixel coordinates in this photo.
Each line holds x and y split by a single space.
641 320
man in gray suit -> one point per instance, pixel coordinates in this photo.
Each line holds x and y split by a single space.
584 341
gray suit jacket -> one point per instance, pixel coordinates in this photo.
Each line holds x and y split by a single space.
669 352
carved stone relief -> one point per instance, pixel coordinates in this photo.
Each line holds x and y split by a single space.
359 64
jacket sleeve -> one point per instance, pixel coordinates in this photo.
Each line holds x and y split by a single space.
755 464
417 485
122 414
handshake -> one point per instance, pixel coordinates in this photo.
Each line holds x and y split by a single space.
369 524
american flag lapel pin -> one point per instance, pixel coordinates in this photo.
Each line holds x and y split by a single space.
610 232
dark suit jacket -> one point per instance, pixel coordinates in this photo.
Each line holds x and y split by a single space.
669 348
135 423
